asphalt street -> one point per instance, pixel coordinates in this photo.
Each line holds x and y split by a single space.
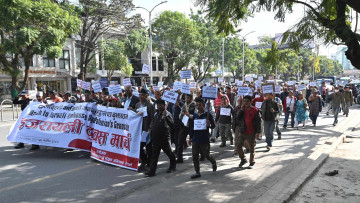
55 175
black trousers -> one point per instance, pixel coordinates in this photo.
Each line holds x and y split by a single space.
184 131
204 149
145 154
157 146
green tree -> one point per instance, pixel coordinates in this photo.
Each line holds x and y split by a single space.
29 28
177 38
275 59
136 42
329 20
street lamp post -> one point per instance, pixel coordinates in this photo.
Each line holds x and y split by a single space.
223 47
243 56
150 36
298 73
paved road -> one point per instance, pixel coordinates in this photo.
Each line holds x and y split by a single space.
59 176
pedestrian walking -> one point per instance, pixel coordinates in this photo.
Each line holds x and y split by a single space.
290 108
301 110
269 111
224 117
337 100
315 106
349 100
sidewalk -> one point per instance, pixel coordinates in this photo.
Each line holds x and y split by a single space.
343 187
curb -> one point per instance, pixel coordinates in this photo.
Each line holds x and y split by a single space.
285 192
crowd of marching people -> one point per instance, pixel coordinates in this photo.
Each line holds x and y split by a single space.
231 119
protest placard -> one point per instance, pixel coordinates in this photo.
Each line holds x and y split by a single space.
114 89
243 90
85 85
291 82
200 124
301 87
103 82
170 96
185 89
268 89
146 69
156 88
277 89
32 94
113 83
220 79
258 105
177 85
193 85
96 86
78 82
127 82
261 78
249 79
209 92
185 74
185 120
313 84
225 111
160 84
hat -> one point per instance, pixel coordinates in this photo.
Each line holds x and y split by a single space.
67 92
39 94
143 91
25 92
160 101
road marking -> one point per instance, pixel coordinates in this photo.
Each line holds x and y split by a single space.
46 177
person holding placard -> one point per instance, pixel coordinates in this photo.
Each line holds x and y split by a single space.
290 109
188 111
249 123
145 104
224 119
199 134
159 133
269 114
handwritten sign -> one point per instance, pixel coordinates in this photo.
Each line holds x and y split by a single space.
301 87
277 89
177 85
96 86
185 89
160 84
258 105
250 79
185 74
200 124
113 83
85 85
261 78
185 120
209 92
225 111
78 82
193 85
268 89
244 90
127 82
170 96
114 89
220 79
313 84
146 69
291 82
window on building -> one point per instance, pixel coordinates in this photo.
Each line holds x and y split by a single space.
154 63
48 62
161 64
22 62
64 61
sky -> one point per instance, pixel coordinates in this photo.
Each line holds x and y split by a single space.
263 23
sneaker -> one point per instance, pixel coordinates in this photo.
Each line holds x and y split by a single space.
251 166
34 148
303 127
327 113
196 175
170 170
179 161
212 140
242 162
19 146
347 115
149 174
223 145
279 137
214 166
284 127
334 124
268 147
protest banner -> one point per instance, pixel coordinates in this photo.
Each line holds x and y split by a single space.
200 124
301 87
114 89
78 82
111 134
127 82
243 90
268 88
85 85
177 85
193 85
146 69
103 82
209 92
185 89
185 74
170 96
313 84
96 86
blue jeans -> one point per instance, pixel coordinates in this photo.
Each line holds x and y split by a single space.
336 111
287 118
269 127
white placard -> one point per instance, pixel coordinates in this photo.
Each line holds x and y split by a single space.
291 82
244 90
78 82
327 83
144 110
255 76
277 89
127 82
268 89
96 86
160 84
185 89
32 94
225 111
85 85
185 120
250 79
258 82
256 96
261 78
301 87
170 96
209 92
200 124
208 84
185 74
114 89
237 81
193 85
145 137
313 84
220 79
146 69
114 83
240 83
177 85
258 105
156 88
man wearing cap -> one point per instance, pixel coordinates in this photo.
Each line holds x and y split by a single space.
39 97
25 100
159 132
148 116
337 100
349 100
